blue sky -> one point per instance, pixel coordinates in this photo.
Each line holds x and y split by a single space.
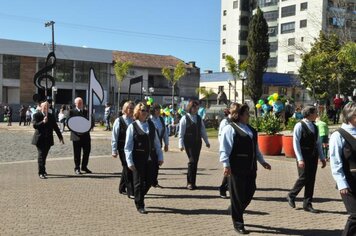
187 29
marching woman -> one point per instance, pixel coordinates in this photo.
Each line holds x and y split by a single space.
162 133
191 131
239 154
141 147
118 144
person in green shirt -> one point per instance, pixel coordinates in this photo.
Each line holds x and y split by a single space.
324 135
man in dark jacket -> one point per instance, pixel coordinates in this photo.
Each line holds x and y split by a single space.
44 124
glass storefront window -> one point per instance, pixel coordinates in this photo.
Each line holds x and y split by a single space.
11 67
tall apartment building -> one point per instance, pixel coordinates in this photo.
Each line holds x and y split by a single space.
293 26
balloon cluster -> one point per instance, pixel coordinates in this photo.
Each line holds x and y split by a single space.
271 100
149 101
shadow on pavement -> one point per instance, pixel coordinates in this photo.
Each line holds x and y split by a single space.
283 199
182 196
285 231
272 189
89 176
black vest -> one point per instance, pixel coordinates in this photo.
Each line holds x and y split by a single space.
308 141
348 158
192 135
122 134
143 143
243 159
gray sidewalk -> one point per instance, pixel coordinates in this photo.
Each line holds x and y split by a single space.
66 204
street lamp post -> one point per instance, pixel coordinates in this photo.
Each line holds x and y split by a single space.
229 82
243 77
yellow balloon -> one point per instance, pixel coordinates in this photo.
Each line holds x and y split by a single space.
270 103
275 96
167 113
258 106
161 111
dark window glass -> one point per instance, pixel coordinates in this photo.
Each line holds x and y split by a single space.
273 46
273 31
235 4
303 6
291 58
244 20
243 50
223 55
271 15
272 62
11 67
244 5
303 24
288 11
243 35
288 27
291 41
224 13
224 27
224 41
266 3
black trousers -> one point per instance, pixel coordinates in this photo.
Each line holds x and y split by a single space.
22 119
142 177
43 150
306 179
193 153
350 205
126 181
154 174
84 144
242 189
224 184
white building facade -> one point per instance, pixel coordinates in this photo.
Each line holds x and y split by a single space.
293 27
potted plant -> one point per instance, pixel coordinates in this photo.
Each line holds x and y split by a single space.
270 141
287 138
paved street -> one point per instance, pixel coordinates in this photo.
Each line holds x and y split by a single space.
66 204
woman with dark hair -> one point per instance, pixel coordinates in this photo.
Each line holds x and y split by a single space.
191 131
162 133
141 146
343 164
239 154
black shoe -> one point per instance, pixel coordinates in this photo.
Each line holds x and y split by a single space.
241 230
310 209
86 170
223 195
157 186
45 173
291 201
123 192
42 176
131 196
190 187
77 172
142 211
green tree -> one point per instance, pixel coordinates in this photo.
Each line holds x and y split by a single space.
321 70
235 70
173 75
347 54
205 93
121 70
258 55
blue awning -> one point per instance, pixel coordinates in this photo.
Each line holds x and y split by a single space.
279 79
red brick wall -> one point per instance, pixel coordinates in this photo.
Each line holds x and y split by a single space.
27 71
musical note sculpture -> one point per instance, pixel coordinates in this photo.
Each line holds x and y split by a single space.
81 124
43 80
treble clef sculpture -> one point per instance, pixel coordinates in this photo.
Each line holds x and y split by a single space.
43 80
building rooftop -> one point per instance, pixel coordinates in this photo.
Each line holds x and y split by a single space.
148 60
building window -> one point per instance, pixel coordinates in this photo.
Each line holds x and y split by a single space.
273 46
288 11
301 39
224 13
272 62
11 67
235 4
303 24
290 72
243 35
291 41
224 41
222 69
224 27
303 6
291 58
272 31
282 91
266 3
287 27
243 50
271 15
223 55
221 88
265 89
244 20
245 5
64 70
